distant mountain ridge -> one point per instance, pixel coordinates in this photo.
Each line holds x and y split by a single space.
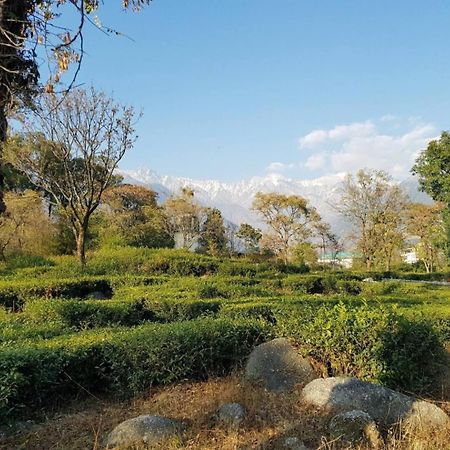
235 199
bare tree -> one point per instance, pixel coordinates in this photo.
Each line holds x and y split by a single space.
71 151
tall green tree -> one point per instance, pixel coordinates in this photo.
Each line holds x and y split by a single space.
426 223
250 236
289 219
213 239
134 212
433 168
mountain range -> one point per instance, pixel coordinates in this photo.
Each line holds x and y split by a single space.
235 199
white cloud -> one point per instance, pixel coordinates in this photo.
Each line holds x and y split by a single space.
279 167
316 161
314 138
338 133
387 144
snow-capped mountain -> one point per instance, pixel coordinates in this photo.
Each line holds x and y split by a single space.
235 199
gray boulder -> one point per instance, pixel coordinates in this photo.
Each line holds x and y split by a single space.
278 366
293 443
145 430
355 427
386 406
232 414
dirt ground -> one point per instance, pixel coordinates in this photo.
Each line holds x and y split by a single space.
270 417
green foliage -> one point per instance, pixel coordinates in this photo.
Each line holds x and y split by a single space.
370 343
210 291
250 237
14 294
433 168
22 261
213 239
172 314
102 313
124 361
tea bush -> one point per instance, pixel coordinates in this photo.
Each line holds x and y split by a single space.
13 294
376 344
121 361
102 313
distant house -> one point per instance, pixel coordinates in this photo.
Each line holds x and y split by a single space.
409 256
340 259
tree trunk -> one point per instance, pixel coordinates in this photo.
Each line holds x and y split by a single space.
81 246
17 73
3 134
3 103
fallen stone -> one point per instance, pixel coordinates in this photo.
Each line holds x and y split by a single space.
145 430
278 366
293 443
355 427
386 406
232 414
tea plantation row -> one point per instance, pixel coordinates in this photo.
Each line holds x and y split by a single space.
144 317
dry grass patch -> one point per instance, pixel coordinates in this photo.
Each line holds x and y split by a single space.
270 418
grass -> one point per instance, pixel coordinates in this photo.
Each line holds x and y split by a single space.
270 418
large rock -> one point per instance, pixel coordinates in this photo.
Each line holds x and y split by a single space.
355 427
231 414
278 366
145 430
293 443
384 405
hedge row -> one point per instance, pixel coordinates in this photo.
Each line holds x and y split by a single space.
14 293
322 284
103 313
124 362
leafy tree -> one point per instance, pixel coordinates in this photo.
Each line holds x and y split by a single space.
426 223
250 237
56 25
433 168
137 216
72 150
289 219
304 254
25 228
375 207
213 239
184 217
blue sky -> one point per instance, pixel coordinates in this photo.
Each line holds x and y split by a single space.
237 88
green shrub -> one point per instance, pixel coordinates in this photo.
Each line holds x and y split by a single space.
351 287
123 361
103 313
370 343
13 294
210 291
23 261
